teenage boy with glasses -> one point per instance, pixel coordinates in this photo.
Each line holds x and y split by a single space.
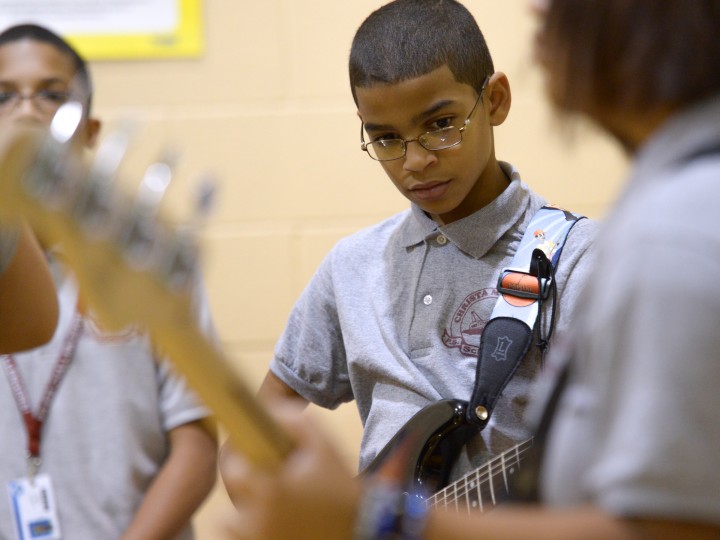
393 316
632 447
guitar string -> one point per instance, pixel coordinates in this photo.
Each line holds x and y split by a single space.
474 481
473 484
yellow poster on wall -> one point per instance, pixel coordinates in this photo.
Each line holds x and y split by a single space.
116 29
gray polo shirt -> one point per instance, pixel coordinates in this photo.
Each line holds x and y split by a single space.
394 314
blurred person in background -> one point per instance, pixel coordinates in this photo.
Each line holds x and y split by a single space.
100 439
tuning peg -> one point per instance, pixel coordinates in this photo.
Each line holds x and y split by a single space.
111 152
95 204
50 177
182 253
142 230
64 125
154 184
205 195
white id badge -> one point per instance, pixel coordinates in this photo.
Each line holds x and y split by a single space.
33 508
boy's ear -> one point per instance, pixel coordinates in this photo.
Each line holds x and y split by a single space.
92 131
499 96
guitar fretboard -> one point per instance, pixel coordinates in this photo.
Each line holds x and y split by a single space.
482 488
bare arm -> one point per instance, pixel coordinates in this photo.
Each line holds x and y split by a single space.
312 495
180 487
274 393
273 389
28 301
587 523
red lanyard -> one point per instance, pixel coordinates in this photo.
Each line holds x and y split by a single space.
34 422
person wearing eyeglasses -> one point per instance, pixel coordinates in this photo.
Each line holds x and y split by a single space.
392 318
632 439
100 438
45 100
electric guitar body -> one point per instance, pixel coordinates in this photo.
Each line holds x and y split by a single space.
443 430
428 446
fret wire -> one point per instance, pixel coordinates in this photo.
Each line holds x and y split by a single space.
468 499
504 472
476 484
480 498
455 498
490 482
465 497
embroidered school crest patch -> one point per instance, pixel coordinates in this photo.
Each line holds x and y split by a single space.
468 321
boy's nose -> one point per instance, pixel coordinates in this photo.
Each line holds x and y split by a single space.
417 157
26 107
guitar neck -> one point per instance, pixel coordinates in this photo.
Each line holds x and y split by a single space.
220 388
133 267
137 295
485 487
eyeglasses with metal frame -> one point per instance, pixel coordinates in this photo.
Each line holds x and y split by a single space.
45 101
438 139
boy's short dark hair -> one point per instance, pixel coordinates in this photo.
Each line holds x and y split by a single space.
406 39
41 34
632 53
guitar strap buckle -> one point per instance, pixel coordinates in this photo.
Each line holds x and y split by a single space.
533 285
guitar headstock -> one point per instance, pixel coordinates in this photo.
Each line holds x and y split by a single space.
133 265
79 206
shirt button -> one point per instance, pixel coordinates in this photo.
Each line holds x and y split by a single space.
427 300
442 240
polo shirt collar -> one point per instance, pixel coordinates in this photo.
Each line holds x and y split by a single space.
478 232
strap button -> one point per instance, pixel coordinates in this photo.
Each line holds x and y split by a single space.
481 412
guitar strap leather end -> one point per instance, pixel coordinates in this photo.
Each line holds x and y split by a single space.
504 340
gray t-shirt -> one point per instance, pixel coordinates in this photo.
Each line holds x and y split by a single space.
393 316
638 428
106 435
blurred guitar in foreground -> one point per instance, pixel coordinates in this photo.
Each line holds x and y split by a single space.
132 265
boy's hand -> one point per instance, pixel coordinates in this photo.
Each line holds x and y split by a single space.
312 495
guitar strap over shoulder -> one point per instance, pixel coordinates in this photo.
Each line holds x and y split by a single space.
522 289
